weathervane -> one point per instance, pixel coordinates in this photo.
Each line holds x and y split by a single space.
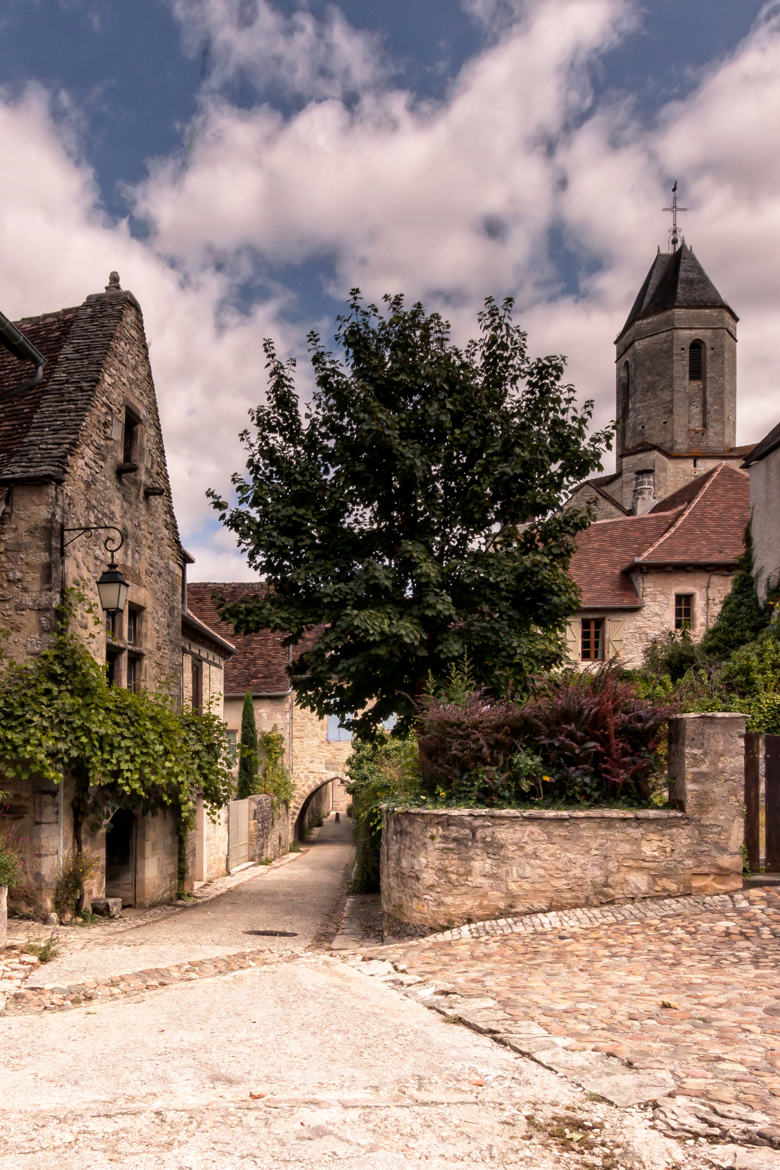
674 235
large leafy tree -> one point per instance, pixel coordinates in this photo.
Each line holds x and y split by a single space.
411 513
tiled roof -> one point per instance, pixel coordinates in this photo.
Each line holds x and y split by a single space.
767 444
676 280
711 527
192 627
605 552
701 524
40 427
260 661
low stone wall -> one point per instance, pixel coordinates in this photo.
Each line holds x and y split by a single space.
445 867
269 831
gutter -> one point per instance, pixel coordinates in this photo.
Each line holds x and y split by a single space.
16 343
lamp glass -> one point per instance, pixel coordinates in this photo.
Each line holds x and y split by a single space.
112 589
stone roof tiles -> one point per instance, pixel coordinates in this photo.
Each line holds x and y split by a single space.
676 280
40 427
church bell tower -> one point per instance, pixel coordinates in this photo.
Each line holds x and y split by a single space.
676 362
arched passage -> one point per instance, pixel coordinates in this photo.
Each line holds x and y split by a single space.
313 806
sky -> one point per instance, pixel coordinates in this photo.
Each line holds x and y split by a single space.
243 163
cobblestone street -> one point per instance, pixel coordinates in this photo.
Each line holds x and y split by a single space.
692 995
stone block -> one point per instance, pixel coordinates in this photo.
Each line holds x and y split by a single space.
107 907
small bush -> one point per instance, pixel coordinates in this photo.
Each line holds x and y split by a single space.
472 752
10 847
78 868
598 737
580 738
384 771
275 780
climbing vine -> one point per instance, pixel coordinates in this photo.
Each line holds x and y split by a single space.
59 717
275 780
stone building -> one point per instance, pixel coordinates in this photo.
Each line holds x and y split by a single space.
763 464
668 569
669 523
316 750
676 389
82 471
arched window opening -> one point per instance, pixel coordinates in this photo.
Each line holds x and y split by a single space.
696 361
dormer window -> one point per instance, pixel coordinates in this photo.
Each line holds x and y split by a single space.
696 361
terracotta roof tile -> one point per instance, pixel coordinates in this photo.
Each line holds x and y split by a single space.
259 664
711 528
702 523
606 551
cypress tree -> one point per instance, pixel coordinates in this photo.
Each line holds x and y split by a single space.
248 778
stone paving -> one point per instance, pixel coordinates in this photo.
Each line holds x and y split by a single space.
683 994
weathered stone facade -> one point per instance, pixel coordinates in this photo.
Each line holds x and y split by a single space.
629 632
86 452
661 405
444 867
269 829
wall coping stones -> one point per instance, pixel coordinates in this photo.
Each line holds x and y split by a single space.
549 814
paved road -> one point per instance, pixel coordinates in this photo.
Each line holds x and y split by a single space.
299 1060
299 898
686 994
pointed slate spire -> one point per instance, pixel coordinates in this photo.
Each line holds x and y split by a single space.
676 280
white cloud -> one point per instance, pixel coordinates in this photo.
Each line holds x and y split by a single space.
253 41
448 201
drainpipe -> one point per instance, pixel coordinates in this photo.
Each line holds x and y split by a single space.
17 344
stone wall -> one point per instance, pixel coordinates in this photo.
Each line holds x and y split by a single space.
310 756
444 867
208 857
765 520
269 830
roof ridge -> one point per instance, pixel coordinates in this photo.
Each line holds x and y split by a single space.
686 510
634 516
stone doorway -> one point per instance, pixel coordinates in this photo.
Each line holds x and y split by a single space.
120 856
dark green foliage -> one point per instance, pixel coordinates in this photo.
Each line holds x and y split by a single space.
735 667
248 759
383 771
59 717
741 617
411 513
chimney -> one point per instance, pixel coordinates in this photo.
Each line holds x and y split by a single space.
644 493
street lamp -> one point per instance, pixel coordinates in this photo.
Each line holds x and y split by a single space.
111 585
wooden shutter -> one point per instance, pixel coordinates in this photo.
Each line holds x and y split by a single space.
573 640
614 638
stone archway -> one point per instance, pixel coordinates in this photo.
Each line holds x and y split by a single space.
315 801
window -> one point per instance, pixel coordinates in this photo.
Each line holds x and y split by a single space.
592 640
134 672
683 611
113 659
114 627
131 437
696 361
134 625
337 732
197 684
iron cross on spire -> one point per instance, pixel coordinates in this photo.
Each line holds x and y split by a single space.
674 235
